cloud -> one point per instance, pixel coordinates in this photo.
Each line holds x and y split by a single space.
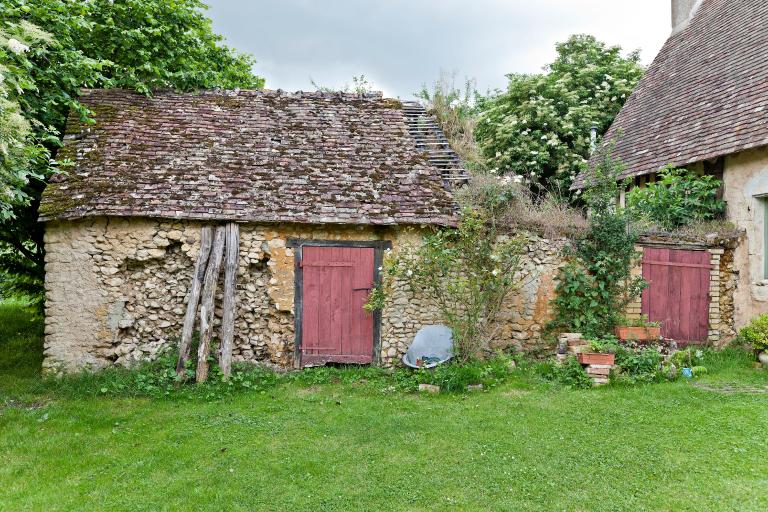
401 44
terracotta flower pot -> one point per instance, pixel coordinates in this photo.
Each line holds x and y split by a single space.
638 333
595 358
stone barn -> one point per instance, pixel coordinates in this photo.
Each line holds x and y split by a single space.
320 186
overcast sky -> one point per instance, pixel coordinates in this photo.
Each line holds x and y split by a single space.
401 44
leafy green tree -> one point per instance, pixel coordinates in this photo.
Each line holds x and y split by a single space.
135 44
539 128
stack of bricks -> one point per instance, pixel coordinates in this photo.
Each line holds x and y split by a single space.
576 344
599 373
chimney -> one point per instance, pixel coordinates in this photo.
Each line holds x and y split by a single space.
682 11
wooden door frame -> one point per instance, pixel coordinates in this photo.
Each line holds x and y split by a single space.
297 244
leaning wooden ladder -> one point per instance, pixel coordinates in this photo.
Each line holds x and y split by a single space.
216 244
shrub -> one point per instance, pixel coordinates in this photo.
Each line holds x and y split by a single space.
516 207
596 285
756 333
678 198
643 365
569 373
158 378
467 272
687 358
455 377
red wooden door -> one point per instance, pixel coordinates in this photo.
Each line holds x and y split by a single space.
336 284
678 292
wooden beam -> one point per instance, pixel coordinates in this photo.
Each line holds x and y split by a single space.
229 303
206 235
206 305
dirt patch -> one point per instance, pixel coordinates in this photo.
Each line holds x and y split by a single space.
12 403
311 390
729 388
516 393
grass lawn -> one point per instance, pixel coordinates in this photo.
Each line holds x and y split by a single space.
355 445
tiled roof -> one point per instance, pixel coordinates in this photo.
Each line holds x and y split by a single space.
261 156
704 96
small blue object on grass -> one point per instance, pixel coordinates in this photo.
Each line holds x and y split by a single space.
432 345
687 372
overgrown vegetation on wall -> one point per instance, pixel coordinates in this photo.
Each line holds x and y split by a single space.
516 207
467 272
455 110
596 285
678 198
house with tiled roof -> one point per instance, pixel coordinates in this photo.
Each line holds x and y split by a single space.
318 185
703 105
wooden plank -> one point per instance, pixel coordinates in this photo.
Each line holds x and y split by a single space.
678 300
206 235
658 282
679 264
229 305
207 306
362 334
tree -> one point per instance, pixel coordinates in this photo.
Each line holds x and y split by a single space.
136 44
679 197
539 128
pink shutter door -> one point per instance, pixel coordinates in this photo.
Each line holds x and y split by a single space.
336 284
678 292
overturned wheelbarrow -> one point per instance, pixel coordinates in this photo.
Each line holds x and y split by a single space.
432 346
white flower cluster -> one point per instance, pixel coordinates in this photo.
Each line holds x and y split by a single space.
507 180
17 46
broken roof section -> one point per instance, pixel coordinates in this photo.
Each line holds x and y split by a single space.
258 156
704 96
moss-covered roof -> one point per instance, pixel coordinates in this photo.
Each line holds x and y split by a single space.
261 156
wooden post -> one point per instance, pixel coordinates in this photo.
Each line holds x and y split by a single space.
206 305
229 306
206 236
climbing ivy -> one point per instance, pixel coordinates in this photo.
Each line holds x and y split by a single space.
596 285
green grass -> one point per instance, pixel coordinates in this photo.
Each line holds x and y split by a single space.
354 444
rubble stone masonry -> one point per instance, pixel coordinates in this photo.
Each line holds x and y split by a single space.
116 290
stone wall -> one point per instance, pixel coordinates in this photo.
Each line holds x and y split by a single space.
116 291
527 312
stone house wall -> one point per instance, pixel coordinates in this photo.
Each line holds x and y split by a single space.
745 190
116 291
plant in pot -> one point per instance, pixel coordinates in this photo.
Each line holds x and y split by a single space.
601 351
689 362
756 334
638 329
